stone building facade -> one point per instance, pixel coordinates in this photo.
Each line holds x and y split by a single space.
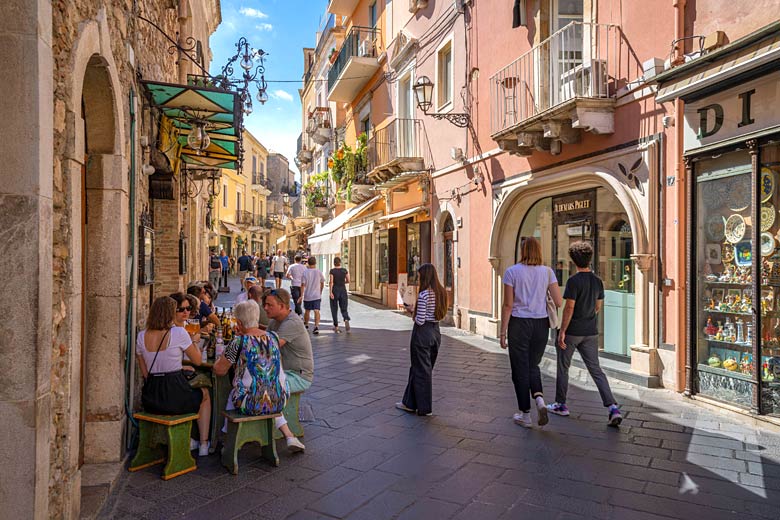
77 129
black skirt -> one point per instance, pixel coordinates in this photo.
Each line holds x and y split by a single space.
170 393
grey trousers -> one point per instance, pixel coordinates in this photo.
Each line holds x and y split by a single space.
588 347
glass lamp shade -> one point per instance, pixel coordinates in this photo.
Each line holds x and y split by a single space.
423 91
246 63
262 97
198 139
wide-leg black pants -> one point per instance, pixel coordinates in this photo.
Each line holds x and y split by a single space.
527 338
423 349
340 300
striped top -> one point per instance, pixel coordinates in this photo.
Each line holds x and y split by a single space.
426 307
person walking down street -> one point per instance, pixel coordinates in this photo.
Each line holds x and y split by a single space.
225 261
261 265
279 264
312 283
430 309
295 275
584 299
245 265
525 326
248 283
232 262
339 298
215 268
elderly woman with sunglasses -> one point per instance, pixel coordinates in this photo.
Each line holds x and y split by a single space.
159 350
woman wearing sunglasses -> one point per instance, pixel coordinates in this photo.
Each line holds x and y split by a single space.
159 350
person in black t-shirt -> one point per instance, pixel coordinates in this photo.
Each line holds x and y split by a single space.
584 298
339 278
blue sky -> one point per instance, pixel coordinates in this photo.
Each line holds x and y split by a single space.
281 28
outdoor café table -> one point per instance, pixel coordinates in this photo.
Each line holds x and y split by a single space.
220 388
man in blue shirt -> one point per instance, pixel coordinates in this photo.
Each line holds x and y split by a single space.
223 258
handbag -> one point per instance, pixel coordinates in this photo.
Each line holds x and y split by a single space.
552 312
166 393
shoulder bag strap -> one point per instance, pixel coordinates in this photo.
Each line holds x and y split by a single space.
158 350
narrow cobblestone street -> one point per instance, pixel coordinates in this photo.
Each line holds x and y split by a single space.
365 459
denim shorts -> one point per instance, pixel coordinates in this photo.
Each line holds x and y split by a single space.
313 305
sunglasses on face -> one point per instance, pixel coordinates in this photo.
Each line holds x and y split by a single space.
183 309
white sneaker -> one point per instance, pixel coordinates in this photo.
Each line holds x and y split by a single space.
294 445
523 419
541 408
194 444
203 449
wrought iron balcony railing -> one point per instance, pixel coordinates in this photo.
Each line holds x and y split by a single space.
244 217
401 146
580 61
360 42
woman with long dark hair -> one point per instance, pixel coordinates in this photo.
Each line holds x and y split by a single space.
430 309
525 326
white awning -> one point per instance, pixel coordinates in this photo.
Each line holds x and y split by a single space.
231 227
281 239
329 235
403 213
366 228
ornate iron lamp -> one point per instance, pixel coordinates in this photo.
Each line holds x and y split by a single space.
423 91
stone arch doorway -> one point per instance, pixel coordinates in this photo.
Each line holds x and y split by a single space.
100 247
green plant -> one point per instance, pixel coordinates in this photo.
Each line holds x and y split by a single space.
315 191
347 166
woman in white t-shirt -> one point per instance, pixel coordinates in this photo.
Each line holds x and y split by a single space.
159 351
525 326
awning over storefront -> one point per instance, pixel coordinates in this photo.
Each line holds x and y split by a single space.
327 239
366 228
231 227
403 213
712 70
220 109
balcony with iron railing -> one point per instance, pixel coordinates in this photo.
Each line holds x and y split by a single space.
559 88
400 147
319 126
356 63
305 148
342 7
244 218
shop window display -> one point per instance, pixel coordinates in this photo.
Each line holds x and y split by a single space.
726 258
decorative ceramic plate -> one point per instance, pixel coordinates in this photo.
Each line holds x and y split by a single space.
727 253
716 227
738 192
767 184
743 254
768 215
767 244
735 228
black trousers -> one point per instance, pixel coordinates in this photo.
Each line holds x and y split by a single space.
295 292
224 277
527 338
340 300
423 348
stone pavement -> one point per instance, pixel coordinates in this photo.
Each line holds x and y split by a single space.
671 458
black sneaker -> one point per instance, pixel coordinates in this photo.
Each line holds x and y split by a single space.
315 331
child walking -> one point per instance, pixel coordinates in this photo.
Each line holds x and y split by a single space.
584 298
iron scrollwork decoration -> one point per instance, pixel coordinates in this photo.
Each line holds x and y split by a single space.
459 120
192 49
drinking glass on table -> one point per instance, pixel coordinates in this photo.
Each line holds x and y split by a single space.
192 326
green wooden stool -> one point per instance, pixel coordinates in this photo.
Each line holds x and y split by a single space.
248 428
292 415
158 431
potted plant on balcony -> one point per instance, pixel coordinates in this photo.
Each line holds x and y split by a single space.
315 194
358 187
333 55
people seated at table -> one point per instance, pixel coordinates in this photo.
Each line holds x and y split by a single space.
205 311
249 282
159 350
295 342
260 383
256 294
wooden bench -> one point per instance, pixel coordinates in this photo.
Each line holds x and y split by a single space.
292 415
158 431
242 429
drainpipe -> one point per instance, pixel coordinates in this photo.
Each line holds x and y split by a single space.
682 211
131 311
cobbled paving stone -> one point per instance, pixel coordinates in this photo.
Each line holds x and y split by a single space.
366 460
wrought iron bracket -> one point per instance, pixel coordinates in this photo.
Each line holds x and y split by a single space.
461 120
194 52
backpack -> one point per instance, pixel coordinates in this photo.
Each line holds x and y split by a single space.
215 263
260 387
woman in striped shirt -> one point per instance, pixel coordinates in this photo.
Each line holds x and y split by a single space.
431 308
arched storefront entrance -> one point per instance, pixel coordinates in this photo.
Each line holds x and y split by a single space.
448 256
594 215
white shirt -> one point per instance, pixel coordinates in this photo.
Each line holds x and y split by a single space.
296 274
242 297
279 262
169 359
312 280
529 284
